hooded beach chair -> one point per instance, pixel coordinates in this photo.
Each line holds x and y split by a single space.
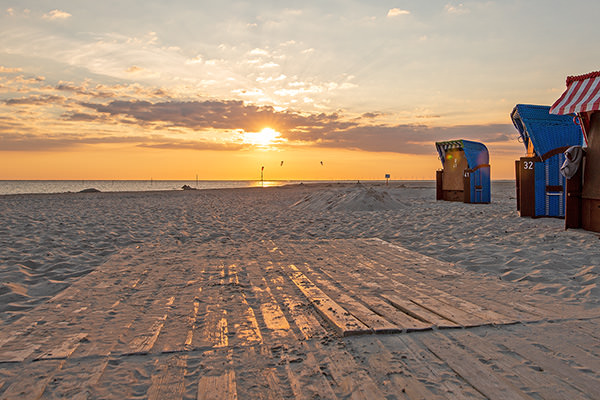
465 174
541 189
581 99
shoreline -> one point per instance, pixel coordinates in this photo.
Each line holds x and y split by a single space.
216 185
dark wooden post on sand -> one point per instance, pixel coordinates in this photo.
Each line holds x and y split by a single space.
573 207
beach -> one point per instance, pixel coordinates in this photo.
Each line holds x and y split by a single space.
273 246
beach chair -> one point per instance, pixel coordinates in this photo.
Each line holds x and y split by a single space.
465 173
540 187
582 100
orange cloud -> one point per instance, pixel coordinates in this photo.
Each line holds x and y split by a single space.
56 15
394 12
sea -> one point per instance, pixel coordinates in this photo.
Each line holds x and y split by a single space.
73 186
11 187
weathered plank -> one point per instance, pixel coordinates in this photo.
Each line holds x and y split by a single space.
534 377
305 321
247 330
418 312
391 369
18 354
218 387
143 343
306 380
427 366
471 369
33 380
65 349
192 323
351 380
368 317
400 320
341 320
168 382
551 361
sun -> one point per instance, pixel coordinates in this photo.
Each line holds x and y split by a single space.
267 137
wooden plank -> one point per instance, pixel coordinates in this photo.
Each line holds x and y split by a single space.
434 305
453 308
400 320
375 322
472 370
76 379
65 349
419 312
32 380
341 320
275 384
143 343
18 355
247 330
6 337
426 365
551 361
538 381
447 311
393 314
351 380
274 318
471 308
169 382
306 322
306 379
391 368
218 387
192 323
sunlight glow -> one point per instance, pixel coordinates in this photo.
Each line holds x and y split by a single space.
265 138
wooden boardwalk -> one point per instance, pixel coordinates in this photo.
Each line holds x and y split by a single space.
329 319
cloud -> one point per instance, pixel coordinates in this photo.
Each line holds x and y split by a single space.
38 100
31 142
56 15
134 68
458 9
6 70
214 114
412 139
320 130
394 12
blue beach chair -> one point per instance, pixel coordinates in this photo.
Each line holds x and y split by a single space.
541 190
465 174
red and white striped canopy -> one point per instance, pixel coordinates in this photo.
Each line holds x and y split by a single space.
582 95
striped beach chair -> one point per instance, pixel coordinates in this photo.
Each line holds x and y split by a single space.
582 99
541 189
465 173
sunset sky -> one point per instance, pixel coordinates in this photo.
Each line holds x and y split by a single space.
170 90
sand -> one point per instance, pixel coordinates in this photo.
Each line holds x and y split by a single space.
55 245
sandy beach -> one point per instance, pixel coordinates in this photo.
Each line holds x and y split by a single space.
71 266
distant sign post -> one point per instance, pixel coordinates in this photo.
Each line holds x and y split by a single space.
387 178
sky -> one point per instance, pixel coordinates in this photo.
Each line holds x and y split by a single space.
308 90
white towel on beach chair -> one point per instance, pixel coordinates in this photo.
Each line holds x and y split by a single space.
573 156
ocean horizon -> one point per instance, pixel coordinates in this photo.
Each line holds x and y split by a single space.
11 187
